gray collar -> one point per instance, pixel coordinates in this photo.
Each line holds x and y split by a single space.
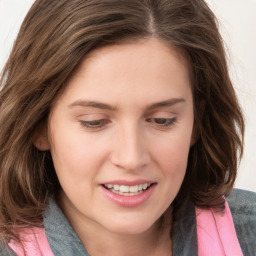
64 241
61 236
184 235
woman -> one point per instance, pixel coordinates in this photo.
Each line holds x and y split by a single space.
121 133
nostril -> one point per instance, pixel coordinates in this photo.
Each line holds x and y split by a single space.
131 161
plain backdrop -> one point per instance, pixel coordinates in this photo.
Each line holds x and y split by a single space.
237 21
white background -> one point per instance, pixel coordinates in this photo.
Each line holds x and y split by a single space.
238 26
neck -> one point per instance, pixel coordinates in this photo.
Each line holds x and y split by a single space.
154 241
99 241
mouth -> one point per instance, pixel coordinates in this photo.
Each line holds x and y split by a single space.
125 190
128 193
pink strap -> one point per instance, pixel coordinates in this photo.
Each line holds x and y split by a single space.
34 242
216 233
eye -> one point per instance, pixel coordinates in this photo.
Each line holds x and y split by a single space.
94 124
162 122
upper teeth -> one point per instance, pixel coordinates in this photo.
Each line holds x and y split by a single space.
124 188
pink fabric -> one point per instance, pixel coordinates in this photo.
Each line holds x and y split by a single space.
216 233
34 243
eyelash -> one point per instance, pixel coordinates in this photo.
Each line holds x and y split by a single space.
168 122
101 123
94 124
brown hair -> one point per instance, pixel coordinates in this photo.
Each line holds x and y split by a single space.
55 37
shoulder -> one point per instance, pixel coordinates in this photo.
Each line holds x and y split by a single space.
242 197
242 205
32 241
5 250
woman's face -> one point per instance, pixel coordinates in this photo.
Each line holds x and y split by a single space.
120 135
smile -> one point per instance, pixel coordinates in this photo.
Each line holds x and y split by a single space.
128 194
125 190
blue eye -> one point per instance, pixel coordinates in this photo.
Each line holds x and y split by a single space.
94 124
162 122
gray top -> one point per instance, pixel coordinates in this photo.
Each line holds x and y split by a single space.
64 241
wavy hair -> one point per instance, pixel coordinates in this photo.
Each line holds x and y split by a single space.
55 37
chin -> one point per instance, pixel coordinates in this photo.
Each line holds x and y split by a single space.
130 227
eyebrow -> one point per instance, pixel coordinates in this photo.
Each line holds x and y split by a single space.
166 103
100 105
93 104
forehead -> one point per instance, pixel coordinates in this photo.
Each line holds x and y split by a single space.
134 54
145 69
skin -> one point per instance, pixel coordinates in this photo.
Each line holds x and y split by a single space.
132 142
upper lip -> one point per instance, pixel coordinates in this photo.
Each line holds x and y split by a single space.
128 182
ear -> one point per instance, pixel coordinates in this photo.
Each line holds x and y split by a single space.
40 138
196 129
195 135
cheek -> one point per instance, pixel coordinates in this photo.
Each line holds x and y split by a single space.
172 153
174 164
172 157
75 167
76 155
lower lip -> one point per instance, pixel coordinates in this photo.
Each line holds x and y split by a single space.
129 201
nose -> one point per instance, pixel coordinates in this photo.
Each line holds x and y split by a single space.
130 149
